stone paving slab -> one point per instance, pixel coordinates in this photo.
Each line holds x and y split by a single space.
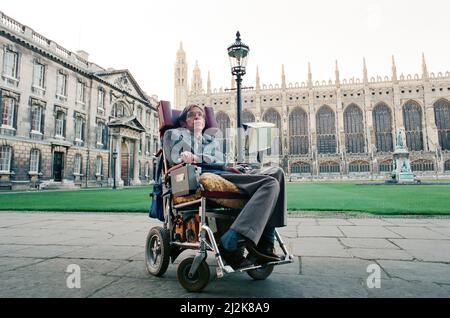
368 231
440 222
43 251
417 271
426 250
396 288
369 222
316 230
333 222
416 232
105 252
43 284
377 243
442 230
318 247
331 287
377 254
60 265
409 222
336 267
11 263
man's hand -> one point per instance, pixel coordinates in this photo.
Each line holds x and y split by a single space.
189 157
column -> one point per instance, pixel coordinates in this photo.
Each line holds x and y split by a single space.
117 147
136 180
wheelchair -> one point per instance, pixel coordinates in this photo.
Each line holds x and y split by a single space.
196 225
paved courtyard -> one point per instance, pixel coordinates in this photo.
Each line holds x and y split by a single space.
334 257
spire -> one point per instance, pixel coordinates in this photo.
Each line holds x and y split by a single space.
181 55
309 76
338 82
208 84
180 78
257 79
283 77
424 67
394 70
365 77
196 86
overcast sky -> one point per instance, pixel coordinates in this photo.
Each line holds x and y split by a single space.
144 36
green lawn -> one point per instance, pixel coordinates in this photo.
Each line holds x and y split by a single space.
378 199
344 196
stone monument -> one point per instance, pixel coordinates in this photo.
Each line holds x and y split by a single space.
401 172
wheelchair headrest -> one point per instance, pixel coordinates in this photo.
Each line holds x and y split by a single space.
168 117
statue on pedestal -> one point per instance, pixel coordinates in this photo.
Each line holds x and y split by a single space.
401 172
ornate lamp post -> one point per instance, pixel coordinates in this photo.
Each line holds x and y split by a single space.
114 156
238 53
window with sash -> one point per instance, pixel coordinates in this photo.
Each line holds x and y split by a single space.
79 128
77 165
5 158
61 84
60 124
147 169
8 111
98 166
102 135
39 75
36 118
101 100
11 64
81 92
34 160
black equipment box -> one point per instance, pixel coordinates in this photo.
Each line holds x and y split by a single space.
184 180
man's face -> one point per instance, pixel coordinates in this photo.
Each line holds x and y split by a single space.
195 119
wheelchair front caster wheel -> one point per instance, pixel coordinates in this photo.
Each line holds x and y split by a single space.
198 281
157 251
260 273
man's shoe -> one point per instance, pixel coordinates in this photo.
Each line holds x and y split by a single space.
261 255
235 259
267 248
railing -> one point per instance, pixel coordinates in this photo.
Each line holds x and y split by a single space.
12 24
40 40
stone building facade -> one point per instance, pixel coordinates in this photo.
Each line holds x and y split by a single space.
62 117
341 129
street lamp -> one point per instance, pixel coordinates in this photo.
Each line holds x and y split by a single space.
238 53
114 156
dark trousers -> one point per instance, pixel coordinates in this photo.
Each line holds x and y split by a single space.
267 204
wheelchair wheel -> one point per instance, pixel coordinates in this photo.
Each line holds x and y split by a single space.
200 278
260 273
157 251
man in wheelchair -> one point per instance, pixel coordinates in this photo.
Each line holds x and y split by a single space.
254 227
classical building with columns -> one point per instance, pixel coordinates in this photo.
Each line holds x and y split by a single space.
341 129
62 117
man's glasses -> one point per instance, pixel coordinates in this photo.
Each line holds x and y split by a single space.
194 114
